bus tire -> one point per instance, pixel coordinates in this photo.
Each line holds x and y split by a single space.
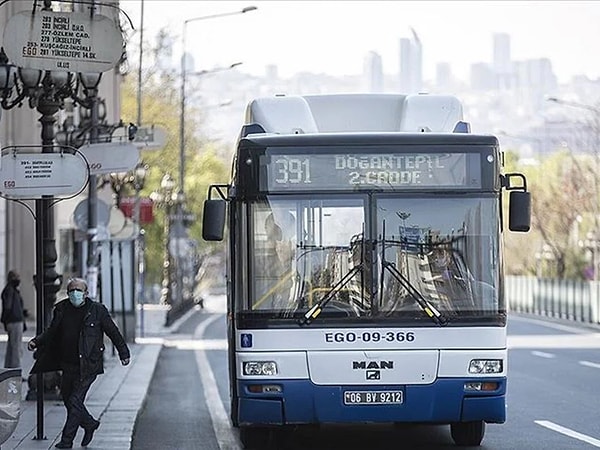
255 437
468 433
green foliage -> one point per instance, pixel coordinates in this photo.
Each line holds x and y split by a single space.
161 106
563 198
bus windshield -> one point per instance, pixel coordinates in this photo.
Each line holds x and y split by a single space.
374 257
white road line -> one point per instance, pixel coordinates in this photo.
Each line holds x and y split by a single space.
590 364
556 326
568 432
226 439
543 354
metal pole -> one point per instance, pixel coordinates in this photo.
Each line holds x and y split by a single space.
138 254
39 289
121 284
167 294
182 113
138 248
139 90
47 280
92 228
142 270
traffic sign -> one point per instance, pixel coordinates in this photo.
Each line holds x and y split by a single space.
80 215
110 157
63 41
34 175
146 138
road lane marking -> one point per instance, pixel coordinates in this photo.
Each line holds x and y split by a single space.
226 439
556 326
553 341
543 354
590 364
568 432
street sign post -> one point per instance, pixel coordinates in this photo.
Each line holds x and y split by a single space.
34 175
63 41
110 157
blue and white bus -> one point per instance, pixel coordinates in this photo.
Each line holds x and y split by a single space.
365 277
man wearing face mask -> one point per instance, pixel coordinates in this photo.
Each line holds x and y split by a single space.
13 319
74 343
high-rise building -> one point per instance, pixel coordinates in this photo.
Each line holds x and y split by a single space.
373 72
443 77
482 77
502 63
411 64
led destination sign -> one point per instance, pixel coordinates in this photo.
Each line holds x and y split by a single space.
286 172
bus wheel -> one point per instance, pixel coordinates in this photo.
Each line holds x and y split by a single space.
468 433
255 437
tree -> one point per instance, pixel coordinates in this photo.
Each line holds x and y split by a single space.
562 189
160 106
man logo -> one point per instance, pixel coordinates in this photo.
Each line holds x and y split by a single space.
373 375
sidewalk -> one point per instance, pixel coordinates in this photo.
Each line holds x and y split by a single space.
115 397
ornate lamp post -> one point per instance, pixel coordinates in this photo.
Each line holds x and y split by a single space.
139 178
45 92
166 198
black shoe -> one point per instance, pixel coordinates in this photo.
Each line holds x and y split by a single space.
62 444
89 434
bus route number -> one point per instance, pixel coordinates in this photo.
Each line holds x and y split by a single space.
292 171
370 336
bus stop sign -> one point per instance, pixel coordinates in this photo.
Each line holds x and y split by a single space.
63 41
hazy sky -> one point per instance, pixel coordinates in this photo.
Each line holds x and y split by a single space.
333 36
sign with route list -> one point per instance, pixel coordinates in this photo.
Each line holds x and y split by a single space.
34 175
63 41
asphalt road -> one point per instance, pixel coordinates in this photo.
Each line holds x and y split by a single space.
553 397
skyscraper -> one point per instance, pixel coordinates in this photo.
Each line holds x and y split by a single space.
373 72
411 64
502 64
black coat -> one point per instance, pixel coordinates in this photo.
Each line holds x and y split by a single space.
96 323
12 305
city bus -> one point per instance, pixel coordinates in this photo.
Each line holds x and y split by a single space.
364 273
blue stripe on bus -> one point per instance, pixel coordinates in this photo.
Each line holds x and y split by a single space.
302 402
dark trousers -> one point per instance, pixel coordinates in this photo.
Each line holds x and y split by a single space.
74 389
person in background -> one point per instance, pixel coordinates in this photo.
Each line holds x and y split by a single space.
74 343
13 319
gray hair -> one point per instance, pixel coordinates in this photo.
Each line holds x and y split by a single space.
77 283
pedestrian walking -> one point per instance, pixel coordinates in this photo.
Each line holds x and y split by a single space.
74 343
13 319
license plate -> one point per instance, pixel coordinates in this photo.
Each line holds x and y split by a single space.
373 397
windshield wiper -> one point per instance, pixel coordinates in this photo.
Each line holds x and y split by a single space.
314 312
414 293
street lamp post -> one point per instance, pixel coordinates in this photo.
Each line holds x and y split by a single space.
90 82
181 193
45 92
163 198
139 178
183 83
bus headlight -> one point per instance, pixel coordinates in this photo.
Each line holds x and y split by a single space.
485 366
260 368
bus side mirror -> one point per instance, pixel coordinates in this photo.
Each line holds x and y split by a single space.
213 220
519 211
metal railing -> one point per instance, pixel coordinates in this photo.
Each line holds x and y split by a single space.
564 299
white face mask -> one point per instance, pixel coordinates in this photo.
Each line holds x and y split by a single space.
76 298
